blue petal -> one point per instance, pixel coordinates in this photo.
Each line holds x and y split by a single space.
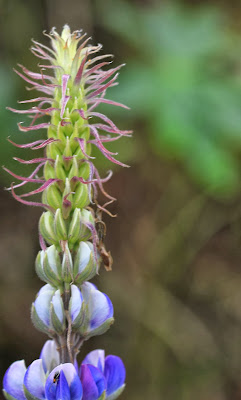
96 358
49 356
34 379
72 379
75 302
42 303
58 306
98 378
115 373
90 390
100 308
13 380
62 390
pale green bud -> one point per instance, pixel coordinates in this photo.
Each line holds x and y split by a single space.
74 227
57 313
59 170
60 225
85 266
48 266
74 170
53 196
81 197
67 199
67 265
86 218
49 172
46 227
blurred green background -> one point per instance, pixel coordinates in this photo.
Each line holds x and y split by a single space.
176 281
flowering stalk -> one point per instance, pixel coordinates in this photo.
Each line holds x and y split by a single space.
68 308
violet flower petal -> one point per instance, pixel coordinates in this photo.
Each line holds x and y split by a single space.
13 380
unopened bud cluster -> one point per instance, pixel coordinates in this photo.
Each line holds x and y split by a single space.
68 308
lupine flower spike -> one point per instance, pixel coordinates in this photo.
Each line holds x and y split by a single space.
72 82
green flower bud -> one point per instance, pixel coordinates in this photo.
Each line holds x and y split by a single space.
53 196
39 266
57 313
67 199
53 150
46 227
48 266
60 225
86 218
84 170
59 170
74 227
81 198
74 170
85 266
67 265
49 172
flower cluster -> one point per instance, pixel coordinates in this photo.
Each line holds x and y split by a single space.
68 308
98 377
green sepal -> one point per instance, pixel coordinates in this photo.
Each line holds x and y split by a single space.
58 327
79 319
8 396
52 132
53 150
102 329
74 227
52 276
88 273
79 154
59 170
67 199
37 321
68 129
53 196
86 217
73 142
67 265
39 268
60 225
28 395
84 171
53 259
67 153
74 170
60 134
46 227
117 393
81 198
49 172
103 396
55 119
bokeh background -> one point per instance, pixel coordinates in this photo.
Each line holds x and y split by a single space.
176 279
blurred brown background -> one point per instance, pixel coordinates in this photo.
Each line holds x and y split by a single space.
176 281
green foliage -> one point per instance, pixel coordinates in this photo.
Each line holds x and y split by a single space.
182 79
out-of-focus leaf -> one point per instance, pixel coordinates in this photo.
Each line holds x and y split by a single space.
184 86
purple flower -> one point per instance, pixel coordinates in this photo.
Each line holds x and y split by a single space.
93 382
113 369
63 383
